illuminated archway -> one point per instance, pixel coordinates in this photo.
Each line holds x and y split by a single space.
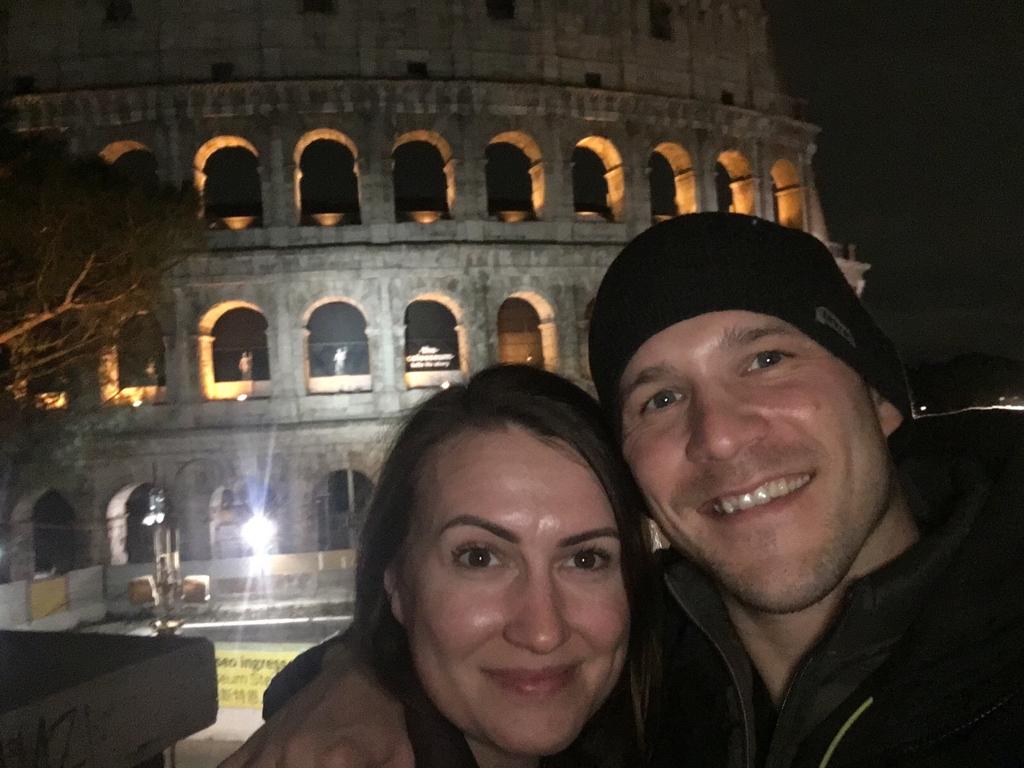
341 507
134 161
787 194
130 539
133 371
598 189
674 189
230 190
515 177
337 348
436 345
735 183
54 534
326 178
235 366
526 331
423 176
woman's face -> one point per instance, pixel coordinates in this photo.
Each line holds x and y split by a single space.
511 592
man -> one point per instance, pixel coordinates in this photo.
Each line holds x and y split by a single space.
830 611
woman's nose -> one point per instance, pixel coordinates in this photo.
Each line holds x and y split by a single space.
537 621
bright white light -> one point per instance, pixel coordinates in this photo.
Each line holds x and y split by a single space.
922 408
153 518
445 384
258 533
242 397
136 403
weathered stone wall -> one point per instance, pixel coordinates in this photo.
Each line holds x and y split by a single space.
139 81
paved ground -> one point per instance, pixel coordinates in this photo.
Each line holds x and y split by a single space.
193 753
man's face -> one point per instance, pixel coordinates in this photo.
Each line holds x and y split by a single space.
763 458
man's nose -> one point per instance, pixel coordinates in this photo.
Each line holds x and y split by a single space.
722 425
538 619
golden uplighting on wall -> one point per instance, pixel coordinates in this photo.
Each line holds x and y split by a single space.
329 219
513 217
51 401
237 223
424 217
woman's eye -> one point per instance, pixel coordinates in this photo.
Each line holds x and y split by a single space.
661 399
475 557
590 559
766 359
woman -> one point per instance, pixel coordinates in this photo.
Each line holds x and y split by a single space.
504 579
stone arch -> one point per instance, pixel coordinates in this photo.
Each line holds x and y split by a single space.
54 533
436 343
134 162
534 168
341 505
414 191
526 331
337 347
588 190
111 153
130 539
133 371
733 173
318 204
191 491
681 181
241 208
787 194
233 383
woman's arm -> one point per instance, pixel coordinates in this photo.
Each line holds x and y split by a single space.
343 718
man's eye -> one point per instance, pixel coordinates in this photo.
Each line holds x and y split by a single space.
661 399
766 359
474 557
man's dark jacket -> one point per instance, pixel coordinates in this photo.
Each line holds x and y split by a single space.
925 667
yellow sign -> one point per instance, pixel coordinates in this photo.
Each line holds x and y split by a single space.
243 674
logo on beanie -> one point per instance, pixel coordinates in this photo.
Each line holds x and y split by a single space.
826 316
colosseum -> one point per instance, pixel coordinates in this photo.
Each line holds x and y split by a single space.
397 194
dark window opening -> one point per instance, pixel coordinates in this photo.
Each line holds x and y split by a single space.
592 79
139 537
318 6
661 20
138 167
232 188
343 509
431 341
337 341
329 188
24 84
589 185
663 187
728 98
417 69
509 184
222 71
119 10
723 188
54 536
140 353
501 9
421 186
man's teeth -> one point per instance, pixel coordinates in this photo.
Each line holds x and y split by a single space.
761 495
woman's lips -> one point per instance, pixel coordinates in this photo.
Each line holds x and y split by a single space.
533 682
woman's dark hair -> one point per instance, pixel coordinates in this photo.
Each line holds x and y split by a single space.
556 411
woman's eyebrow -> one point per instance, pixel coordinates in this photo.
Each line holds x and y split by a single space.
479 522
509 536
579 538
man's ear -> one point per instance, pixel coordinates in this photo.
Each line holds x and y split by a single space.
394 594
889 416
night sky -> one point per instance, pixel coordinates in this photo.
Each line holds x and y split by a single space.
921 158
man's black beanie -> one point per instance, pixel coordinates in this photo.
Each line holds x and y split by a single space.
711 262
